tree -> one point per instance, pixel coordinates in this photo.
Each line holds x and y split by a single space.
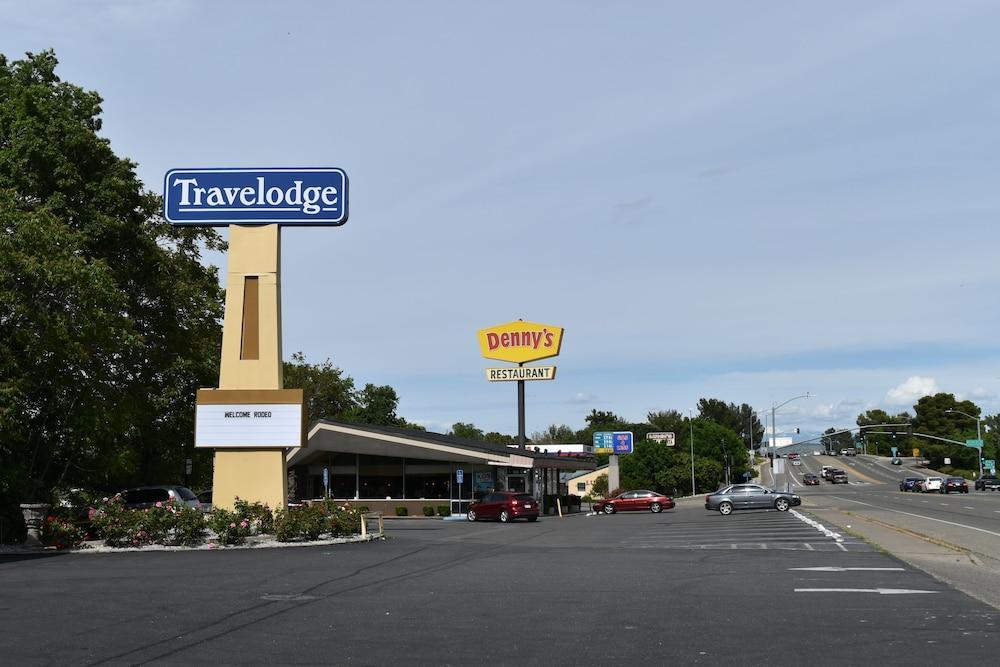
835 439
932 418
740 419
467 431
329 394
600 486
889 431
376 405
554 434
108 320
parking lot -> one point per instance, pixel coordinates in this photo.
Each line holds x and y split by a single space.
685 585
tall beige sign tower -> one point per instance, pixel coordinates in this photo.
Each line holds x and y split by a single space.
250 419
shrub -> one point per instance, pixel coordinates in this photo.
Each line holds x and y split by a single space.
428 510
61 534
258 514
285 526
119 526
230 527
401 510
444 510
188 525
309 523
362 508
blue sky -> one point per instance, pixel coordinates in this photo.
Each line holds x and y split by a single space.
737 200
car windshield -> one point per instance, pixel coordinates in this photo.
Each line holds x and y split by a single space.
186 494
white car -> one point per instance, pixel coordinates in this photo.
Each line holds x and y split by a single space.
932 484
796 462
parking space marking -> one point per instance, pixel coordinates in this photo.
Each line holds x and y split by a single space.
966 507
880 591
836 568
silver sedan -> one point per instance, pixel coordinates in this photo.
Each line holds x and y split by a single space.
750 497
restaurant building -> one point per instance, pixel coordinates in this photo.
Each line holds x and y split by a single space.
384 467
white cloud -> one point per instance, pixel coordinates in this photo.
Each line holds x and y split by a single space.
583 397
982 392
912 390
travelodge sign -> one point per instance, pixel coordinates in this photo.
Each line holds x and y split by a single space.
219 197
520 342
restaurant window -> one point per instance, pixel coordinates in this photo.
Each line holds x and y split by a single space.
428 479
380 477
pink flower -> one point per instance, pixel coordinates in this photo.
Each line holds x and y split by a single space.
211 545
232 525
159 503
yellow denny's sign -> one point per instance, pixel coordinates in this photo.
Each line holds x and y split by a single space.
519 341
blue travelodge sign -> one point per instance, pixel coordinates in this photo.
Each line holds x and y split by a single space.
219 197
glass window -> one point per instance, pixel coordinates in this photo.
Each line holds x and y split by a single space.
428 479
380 477
581 486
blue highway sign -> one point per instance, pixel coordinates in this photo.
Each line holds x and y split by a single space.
220 197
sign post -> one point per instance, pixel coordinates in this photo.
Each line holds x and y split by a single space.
326 482
459 478
254 203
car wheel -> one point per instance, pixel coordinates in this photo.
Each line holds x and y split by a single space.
532 518
655 508
471 516
781 504
725 508
504 516
609 509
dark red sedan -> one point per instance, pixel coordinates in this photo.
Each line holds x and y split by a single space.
956 485
634 501
504 506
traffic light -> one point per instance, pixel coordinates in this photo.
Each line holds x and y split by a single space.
797 430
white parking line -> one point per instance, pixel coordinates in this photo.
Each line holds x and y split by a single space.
966 507
835 568
880 591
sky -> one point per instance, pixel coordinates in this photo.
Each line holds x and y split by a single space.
746 201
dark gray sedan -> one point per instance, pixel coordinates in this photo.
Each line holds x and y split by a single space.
750 497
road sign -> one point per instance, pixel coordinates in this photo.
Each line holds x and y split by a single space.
947 461
894 450
459 476
974 443
990 464
916 452
613 442
221 197
662 436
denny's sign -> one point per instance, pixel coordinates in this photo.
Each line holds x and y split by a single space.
520 342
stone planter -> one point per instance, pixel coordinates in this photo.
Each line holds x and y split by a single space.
34 516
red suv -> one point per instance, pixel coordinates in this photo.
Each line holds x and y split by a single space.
635 500
505 506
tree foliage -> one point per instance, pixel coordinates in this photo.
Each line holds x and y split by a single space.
109 322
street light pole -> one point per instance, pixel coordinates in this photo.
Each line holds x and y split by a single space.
774 431
691 422
979 435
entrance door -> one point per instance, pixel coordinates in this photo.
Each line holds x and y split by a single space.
517 483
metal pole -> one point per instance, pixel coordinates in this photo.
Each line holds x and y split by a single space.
979 436
691 421
520 412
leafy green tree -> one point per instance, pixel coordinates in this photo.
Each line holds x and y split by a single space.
328 392
881 439
467 431
666 420
554 434
376 405
600 486
109 322
932 418
833 440
740 419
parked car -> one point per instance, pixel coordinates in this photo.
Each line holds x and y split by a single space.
896 461
839 477
985 482
810 479
909 483
147 496
634 501
956 484
933 484
205 498
750 497
505 506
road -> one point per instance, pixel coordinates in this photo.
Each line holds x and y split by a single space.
966 524
682 587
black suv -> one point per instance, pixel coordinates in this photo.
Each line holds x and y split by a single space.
988 482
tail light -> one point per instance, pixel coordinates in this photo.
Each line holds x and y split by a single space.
514 502
706 498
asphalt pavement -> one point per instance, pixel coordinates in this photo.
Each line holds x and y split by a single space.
682 587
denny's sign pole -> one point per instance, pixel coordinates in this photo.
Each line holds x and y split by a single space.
520 342
250 419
